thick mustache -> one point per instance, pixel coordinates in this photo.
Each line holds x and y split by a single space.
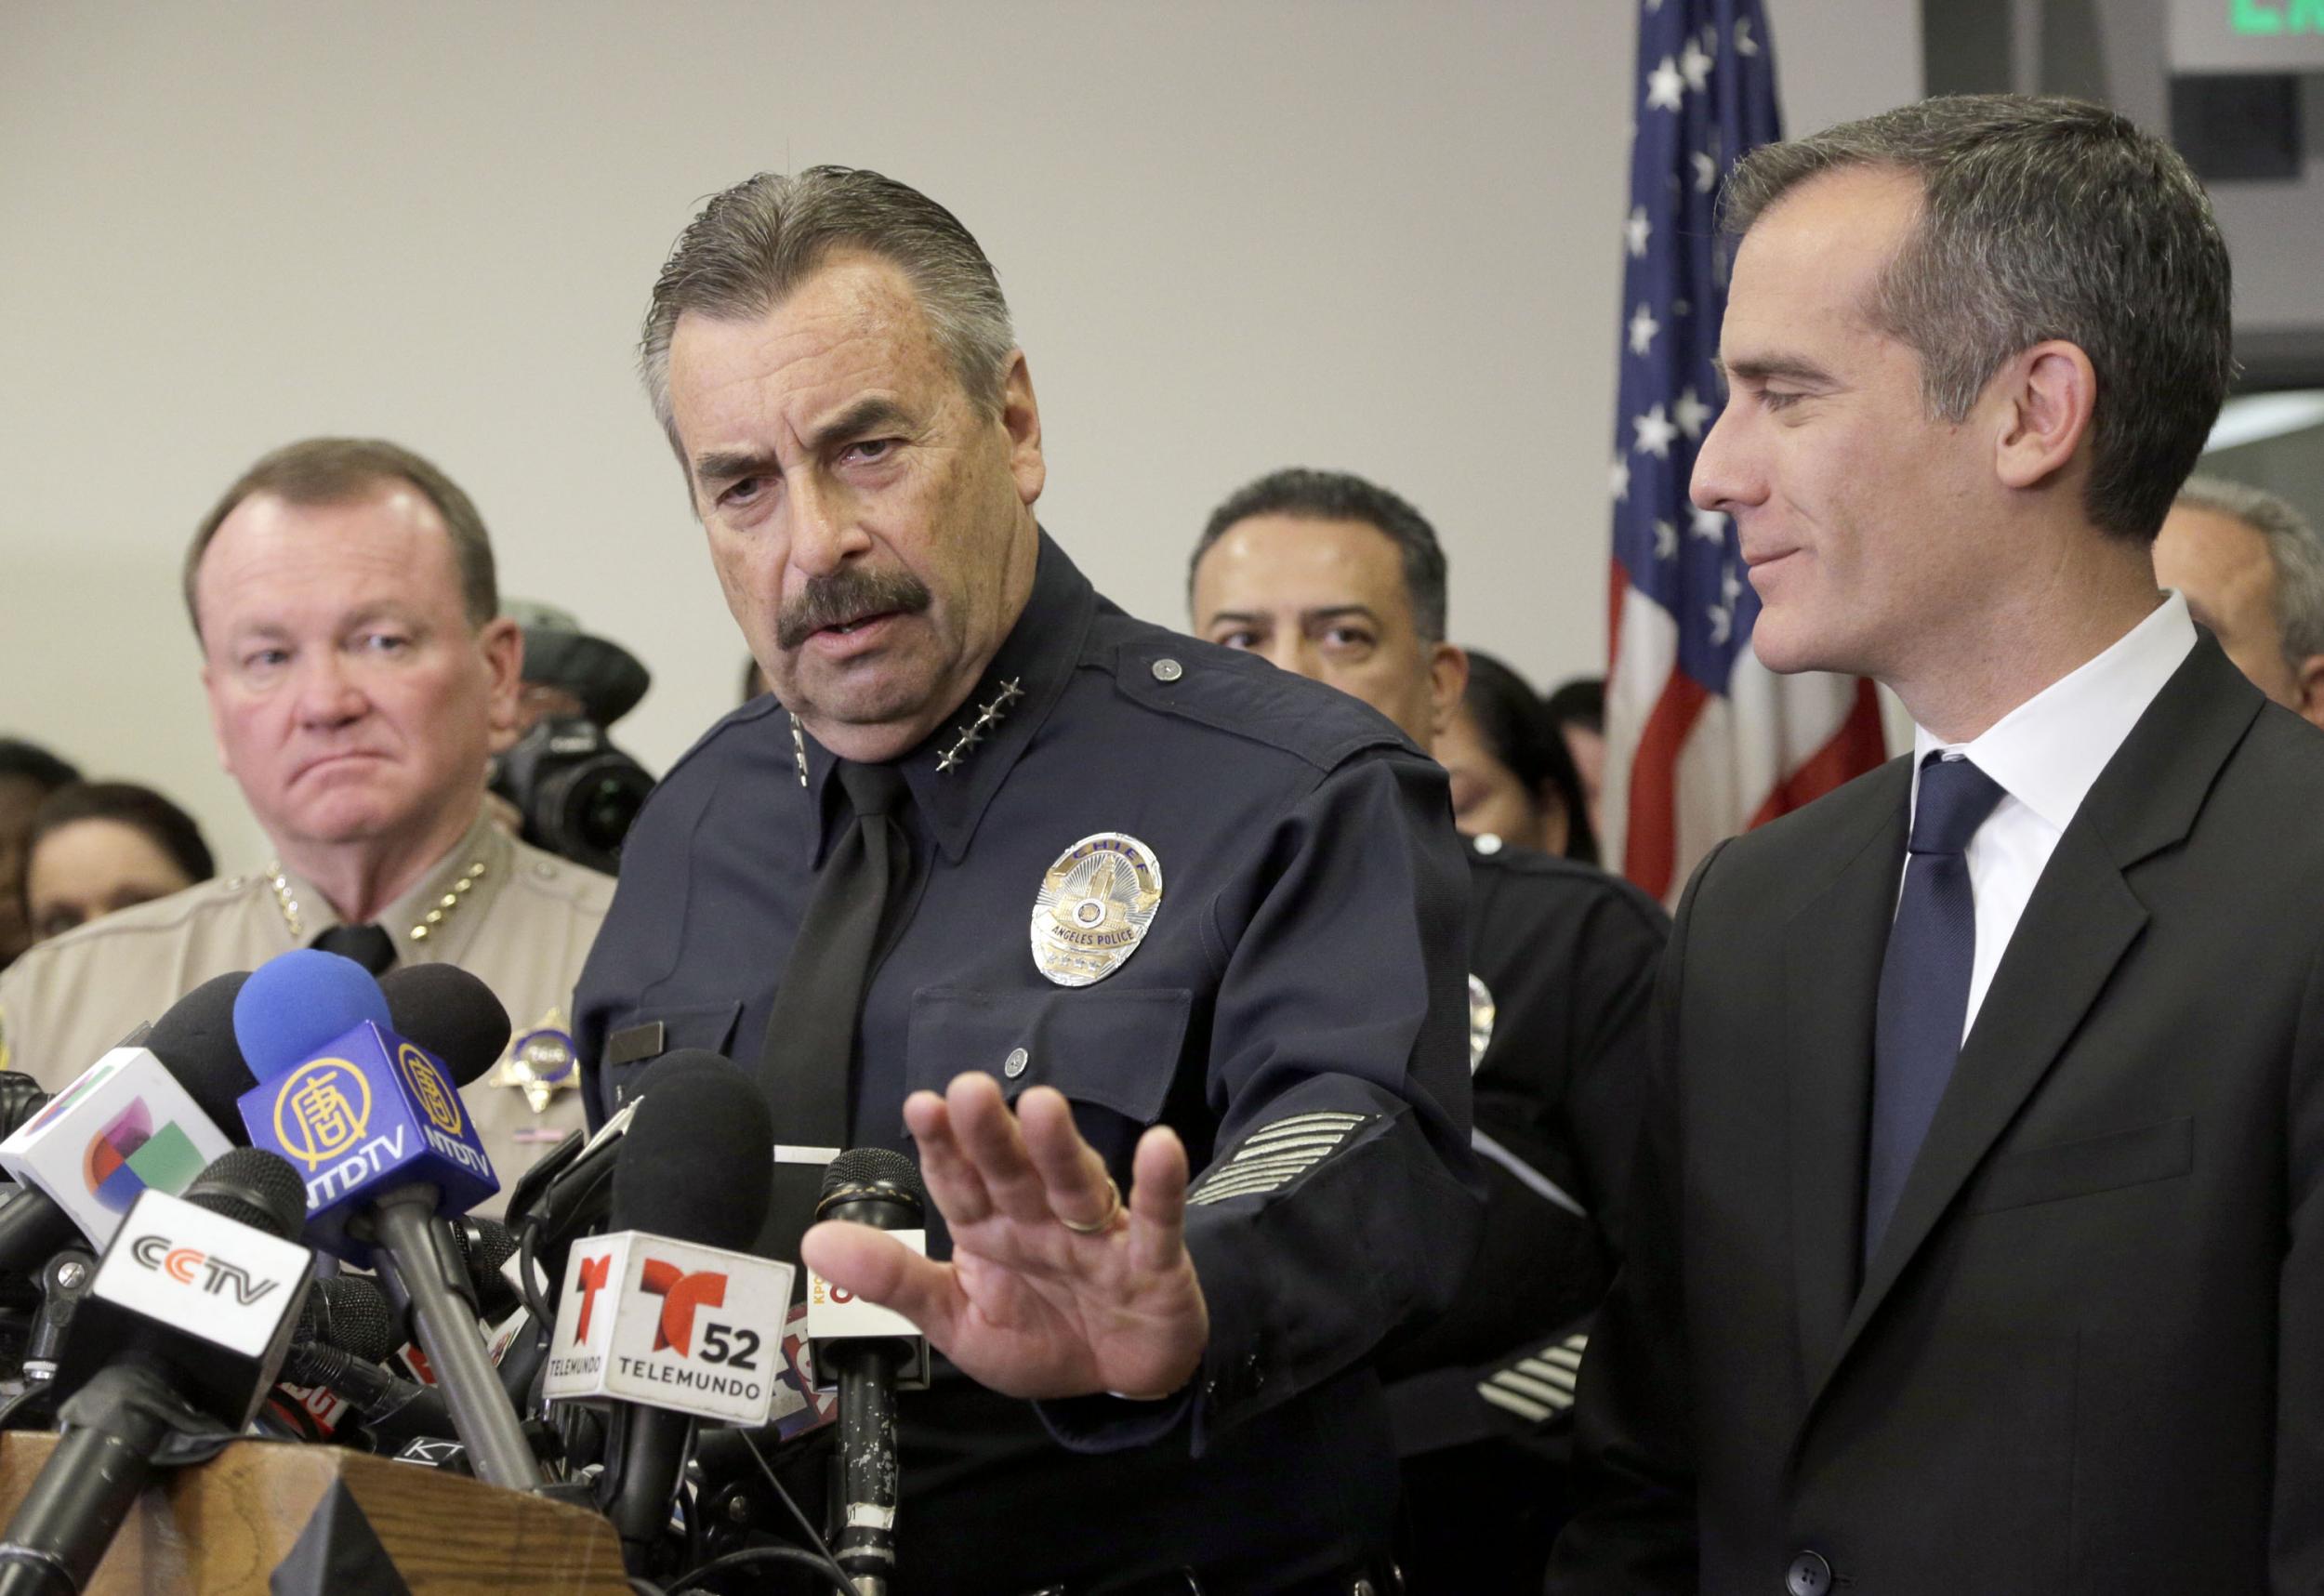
846 596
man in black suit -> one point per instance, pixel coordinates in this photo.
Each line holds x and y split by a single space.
1978 1243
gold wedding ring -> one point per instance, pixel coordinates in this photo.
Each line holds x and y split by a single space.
1113 1207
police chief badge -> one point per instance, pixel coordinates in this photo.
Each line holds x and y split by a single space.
1094 907
540 1062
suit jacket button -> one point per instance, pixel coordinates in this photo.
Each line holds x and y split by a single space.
1809 1576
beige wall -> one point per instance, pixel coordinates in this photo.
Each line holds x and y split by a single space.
1345 232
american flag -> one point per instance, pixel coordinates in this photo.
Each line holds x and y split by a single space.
1702 740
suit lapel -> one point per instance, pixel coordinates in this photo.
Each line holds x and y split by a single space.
1832 951
2082 918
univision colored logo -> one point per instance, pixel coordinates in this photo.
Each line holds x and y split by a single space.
131 1154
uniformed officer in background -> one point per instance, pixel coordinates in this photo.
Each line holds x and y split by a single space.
1134 909
342 594
1339 580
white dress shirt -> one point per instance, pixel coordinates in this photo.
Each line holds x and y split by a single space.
2045 754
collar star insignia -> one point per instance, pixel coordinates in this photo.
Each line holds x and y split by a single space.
798 749
988 716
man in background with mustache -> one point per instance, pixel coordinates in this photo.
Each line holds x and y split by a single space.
1149 953
342 592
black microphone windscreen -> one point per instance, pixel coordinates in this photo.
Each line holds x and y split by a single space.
253 1187
860 1167
195 1041
451 1013
697 1163
484 1244
350 1313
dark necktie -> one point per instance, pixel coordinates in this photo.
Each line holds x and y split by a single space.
1924 981
806 1063
367 946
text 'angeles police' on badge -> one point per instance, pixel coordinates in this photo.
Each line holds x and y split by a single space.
1095 905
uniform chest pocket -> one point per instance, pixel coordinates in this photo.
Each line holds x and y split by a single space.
1115 1049
638 1038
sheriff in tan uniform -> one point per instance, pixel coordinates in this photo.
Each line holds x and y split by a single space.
359 680
519 919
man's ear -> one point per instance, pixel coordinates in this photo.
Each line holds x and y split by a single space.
2049 394
501 644
2308 678
1447 679
1021 418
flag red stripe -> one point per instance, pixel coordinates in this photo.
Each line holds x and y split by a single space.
1859 746
1650 850
1617 585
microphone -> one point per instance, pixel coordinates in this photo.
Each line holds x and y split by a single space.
345 1333
668 1317
149 1116
21 1098
378 1132
182 1329
873 1352
573 1192
448 1011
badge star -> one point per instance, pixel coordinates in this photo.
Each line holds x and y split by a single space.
1656 434
1643 328
1695 66
1744 44
1665 87
1620 479
1637 230
1666 541
1691 414
1711 526
1705 171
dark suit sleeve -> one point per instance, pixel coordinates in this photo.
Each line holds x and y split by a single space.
1634 1444
2297 1525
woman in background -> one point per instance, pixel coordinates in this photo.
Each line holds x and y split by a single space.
96 847
1512 774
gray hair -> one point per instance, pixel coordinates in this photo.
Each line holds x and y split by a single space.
2293 547
2044 218
756 242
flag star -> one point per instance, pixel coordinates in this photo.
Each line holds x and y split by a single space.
1711 526
1652 6
1619 477
1722 625
1665 87
1654 434
1643 328
1744 44
1696 65
1666 540
1691 413
1705 171
1637 230
1732 586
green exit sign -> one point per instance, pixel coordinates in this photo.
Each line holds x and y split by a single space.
2247 35
2272 17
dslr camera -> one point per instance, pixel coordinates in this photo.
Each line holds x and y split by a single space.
577 792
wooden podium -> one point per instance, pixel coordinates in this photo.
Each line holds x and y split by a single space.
223 1528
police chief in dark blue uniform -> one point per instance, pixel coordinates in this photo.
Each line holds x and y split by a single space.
1167 996
1336 579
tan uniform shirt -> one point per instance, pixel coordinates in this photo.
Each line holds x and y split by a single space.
519 919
